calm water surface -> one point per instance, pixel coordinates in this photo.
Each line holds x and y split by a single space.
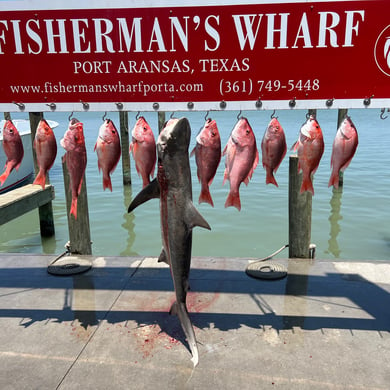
352 224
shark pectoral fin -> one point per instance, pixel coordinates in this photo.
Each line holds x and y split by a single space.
194 218
173 309
163 257
151 191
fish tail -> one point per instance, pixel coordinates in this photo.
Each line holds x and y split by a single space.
180 310
40 179
73 207
233 199
205 196
307 185
4 176
145 180
334 179
107 182
270 179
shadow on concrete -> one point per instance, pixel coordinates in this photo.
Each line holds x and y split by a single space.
370 300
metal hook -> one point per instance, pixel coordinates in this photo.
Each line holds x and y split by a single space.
85 105
239 114
207 114
173 112
273 115
104 116
382 113
70 116
137 116
20 105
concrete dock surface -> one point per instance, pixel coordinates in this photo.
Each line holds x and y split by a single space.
324 326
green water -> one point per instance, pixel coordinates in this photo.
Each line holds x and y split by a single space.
351 224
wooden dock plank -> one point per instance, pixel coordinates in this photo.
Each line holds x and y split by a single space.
21 200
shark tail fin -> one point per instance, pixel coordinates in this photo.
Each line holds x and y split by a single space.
180 310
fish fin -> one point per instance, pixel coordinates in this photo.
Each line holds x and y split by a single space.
233 199
180 310
145 180
270 179
163 257
294 147
254 165
205 196
194 218
151 191
225 176
107 182
40 179
334 179
307 185
192 152
94 149
5 175
73 208
224 150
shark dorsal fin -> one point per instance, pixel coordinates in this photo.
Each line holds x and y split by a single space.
194 218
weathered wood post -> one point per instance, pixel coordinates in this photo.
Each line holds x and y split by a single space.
299 211
79 230
161 120
124 131
46 217
299 214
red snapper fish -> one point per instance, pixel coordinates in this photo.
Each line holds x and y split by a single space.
45 146
75 159
274 148
241 160
344 148
143 147
13 148
108 149
310 147
207 156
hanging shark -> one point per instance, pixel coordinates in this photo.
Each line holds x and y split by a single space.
173 186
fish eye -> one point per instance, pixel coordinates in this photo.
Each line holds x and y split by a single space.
247 132
145 128
113 131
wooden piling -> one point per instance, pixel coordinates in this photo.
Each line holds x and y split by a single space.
124 132
299 214
79 230
46 217
161 120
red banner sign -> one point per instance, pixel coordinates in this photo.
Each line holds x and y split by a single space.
315 53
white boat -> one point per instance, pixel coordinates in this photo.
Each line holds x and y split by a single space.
26 169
